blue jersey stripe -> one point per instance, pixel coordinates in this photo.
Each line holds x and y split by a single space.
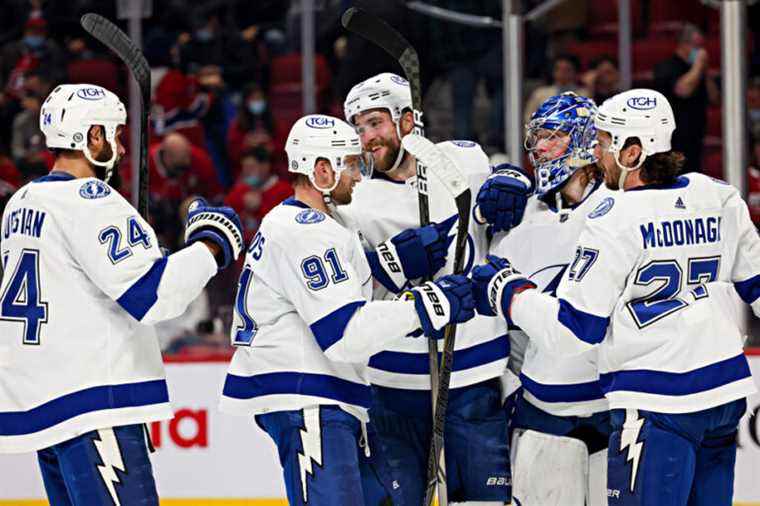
417 363
571 392
295 383
128 395
673 383
749 289
141 296
329 329
587 327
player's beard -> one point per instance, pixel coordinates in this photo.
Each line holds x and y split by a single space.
385 163
100 172
342 194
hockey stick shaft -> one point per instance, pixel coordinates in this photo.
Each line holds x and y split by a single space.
383 35
116 40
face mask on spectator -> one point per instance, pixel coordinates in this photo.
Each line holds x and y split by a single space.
204 35
34 41
257 106
254 181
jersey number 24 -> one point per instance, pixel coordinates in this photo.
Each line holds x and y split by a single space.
21 300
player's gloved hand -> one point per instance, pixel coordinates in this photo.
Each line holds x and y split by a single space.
411 254
220 225
493 286
502 199
446 300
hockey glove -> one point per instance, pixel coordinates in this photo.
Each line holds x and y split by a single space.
494 285
411 254
445 300
502 199
219 225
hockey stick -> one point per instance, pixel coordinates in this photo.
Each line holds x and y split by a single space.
110 35
381 34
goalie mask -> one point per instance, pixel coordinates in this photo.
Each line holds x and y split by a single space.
560 139
68 113
318 136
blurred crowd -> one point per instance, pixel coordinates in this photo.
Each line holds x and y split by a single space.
227 84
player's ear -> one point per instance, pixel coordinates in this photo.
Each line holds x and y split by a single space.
631 155
323 173
407 122
96 135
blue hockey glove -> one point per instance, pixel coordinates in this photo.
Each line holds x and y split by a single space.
445 300
411 254
219 225
502 199
494 285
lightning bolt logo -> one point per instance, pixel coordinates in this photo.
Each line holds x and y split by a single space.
629 438
311 442
110 455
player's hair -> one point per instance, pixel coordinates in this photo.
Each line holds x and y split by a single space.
660 168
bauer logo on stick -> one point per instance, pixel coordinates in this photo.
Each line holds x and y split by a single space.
320 122
91 93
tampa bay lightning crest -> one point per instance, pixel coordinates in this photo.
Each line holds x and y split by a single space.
309 216
603 208
94 190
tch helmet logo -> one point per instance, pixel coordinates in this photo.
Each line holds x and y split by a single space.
320 122
642 103
91 93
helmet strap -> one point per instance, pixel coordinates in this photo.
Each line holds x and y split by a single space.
625 170
107 165
401 150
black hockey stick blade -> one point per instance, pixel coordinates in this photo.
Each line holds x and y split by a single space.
118 42
382 34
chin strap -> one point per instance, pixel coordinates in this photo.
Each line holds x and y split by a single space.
107 165
401 150
625 170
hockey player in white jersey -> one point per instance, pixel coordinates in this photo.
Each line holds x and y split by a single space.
559 417
305 327
381 110
84 281
658 277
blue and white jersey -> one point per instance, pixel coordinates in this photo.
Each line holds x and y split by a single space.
304 324
657 280
83 280
381 208
542 247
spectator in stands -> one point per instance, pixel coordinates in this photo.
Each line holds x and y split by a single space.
603 79
683 79
753 106
753 180
215 121
179 106
252 127
27 139
35 49
179 169
257 190
564 78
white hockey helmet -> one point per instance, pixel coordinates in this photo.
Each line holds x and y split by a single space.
70 110
642 113
320 136
383 91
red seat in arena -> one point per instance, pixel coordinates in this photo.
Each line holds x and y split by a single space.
589 51
714 121
712 165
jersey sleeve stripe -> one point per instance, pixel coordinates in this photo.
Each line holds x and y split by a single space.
141 296
678 383
98 398
329 329
416 363
279 383
587 327
749 289
569 392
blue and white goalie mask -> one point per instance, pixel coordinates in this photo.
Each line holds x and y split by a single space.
560 139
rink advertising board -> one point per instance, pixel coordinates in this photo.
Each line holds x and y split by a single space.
205 457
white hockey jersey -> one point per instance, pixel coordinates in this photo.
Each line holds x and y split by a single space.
542 247
651 284
303 322
381 208
83 278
